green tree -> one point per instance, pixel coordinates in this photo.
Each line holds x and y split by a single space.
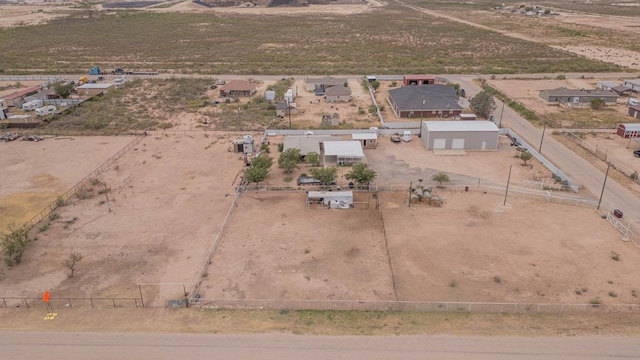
62 90
325 175
289 159
72 261
375 84
256 174
440 177
525 156
361 173
13 245
483 104
263 162
312 158
597 104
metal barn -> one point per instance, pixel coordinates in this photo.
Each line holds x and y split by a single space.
460 135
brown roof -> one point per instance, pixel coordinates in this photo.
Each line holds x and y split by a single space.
419 77
238 85
338 91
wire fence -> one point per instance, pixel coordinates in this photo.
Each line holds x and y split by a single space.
603 154
71 302
432 306
61 199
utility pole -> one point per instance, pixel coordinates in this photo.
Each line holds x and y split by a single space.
507 190
606 175
542 138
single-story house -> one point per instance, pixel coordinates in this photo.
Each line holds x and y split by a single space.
629 130
281 109
306 143
342 152
320 85
368 140
237 88
338 93
91 90
634 111
571 96
424 101
634 84
333 199
462 135
621 90
418 80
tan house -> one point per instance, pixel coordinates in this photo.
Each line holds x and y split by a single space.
338 93
91 90
237 88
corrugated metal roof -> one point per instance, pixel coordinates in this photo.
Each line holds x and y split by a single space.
471 125
343 148
330 194
95 86
631 127
364 136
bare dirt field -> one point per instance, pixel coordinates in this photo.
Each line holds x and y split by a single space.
34 173
191 7
400 163
277 248
31 14
151 218
475 249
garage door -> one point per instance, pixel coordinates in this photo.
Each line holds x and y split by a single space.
457 144
439 143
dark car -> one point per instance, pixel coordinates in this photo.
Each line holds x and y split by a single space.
636 153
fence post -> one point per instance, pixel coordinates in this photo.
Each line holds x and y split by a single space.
114 302
26 303
91 299
141 298
70 306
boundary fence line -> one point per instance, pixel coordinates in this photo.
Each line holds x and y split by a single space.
78 302
400 305
604 156
81 184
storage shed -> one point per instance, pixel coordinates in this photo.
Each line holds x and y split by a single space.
333 199
342 152
91 90
629 130
634 111
460 135
368 140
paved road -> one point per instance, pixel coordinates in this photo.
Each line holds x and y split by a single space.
577 168
67 346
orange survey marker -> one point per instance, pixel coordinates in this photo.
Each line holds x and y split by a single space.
46 296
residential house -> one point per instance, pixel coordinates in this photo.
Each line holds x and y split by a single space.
570 96
424 101
320 85
237 88
338 93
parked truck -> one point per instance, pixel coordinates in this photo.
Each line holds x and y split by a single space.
95 71
121 71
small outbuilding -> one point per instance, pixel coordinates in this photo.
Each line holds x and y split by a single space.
91 90
629 130
368 140
306 143
468 117
634 111
237 88
634 84
570 96
332 199
342 152
460 135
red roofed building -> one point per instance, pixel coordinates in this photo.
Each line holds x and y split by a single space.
418 80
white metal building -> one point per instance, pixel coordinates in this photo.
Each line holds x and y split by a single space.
460 135
333 199
342 152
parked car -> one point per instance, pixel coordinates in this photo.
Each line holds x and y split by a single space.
636 153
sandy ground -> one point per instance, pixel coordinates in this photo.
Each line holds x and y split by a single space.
165 211
547 253
404 162
527 92
30 14
35 173
277 248
616 148
191 7
622 57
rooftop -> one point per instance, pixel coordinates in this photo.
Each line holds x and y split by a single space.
364 136
95 86
305 143
632 126
562 91
343 149
471 125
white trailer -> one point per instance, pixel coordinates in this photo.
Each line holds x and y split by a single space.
32 105
46 110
